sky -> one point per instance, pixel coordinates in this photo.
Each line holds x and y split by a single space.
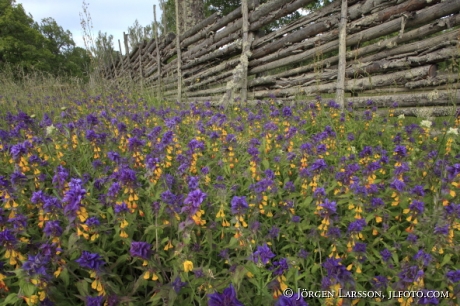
110 16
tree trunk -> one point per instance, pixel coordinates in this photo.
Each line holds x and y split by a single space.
193 14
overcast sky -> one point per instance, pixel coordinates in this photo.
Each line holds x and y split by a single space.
111 16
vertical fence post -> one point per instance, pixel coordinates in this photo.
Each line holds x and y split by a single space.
125 39
179 72
342 55
122 60
246 50
141 75
158 51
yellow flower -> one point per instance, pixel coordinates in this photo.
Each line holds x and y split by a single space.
188 266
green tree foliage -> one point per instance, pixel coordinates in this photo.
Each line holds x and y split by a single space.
45 47
227 6
21 44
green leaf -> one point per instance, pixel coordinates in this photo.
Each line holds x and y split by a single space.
266 164
65 276
11 299
446 259
82 287
73 238
28 288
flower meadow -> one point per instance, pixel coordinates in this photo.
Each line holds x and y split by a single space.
113 200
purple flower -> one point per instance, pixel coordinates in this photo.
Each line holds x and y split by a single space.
114 189
453 276
377 202
193 182
441 230
35 265
360 247
287 112
53 228
92 261
141 249
226 298
274 232
412 238
334 232
92 222
319 192
417 206
410 274
239 205
400 150
295 219
279 267
121 208
294 300
335 270
386 255
418 190
398 185
178 284
379 282
318 165
356 226
193 201
7 238
94 301
263 253
453 210
73 198
303 253
425 258
428 298
329 206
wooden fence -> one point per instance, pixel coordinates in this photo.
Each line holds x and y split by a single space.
403 51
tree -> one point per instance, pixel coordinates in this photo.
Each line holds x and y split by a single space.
58 40
21 44
191 12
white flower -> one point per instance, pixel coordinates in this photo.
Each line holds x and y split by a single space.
401 116
426 123
353 149
452 131
50 129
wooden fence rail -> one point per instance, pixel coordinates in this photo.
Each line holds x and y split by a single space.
405 51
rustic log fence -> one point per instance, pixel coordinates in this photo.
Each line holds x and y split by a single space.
394 50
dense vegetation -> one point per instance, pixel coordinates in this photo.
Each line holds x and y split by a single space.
112 200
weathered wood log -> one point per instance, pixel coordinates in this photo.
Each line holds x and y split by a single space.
415 47
414 99
391 13
212 91
221 23
214 70
399 77
423 31
264 14
221 78
299 35
424 112
358 10
423 16
436 81
222 37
